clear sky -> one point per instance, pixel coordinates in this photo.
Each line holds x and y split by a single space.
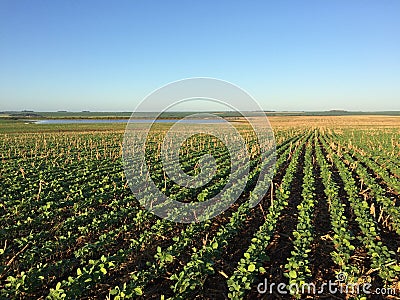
290 55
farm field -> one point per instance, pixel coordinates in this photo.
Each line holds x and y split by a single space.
70 227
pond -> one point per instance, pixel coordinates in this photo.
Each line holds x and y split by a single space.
86 121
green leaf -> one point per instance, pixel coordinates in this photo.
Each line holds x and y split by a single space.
215 245
138 291
251 268
113 292
396 268
292 274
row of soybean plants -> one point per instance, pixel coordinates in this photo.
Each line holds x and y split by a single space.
379 146
23 182
85 279
51 199
84 229
59 194
38 260
251 264
71 229
343 238
389 212
58 148
47 204
86 192
382 142
298 268
389 159
95 272
380 169
382 260
54 202
194 272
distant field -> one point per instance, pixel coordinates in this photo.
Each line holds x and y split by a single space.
70 227
174 115
277 122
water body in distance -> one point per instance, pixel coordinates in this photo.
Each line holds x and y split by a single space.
85 121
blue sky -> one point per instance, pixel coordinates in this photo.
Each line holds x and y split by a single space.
290 55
